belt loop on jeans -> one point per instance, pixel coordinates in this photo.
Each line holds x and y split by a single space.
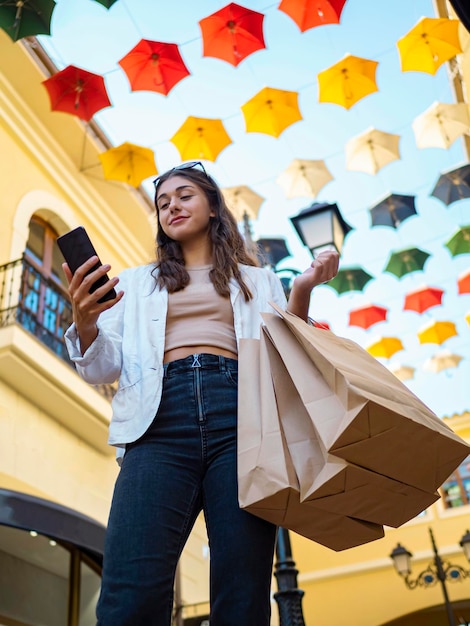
195 362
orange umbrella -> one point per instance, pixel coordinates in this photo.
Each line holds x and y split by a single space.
348 81
463 282
429 44
423 299
436 332
271 111
201 138
385 347
76 91
309 14
128 163
368 315
232 33
154 66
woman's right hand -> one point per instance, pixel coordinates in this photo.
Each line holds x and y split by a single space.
85 306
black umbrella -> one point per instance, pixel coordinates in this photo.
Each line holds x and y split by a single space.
453 185
392 210
271 251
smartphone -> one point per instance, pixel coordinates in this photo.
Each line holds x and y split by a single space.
76 248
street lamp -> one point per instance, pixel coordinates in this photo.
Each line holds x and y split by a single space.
321 227
439 570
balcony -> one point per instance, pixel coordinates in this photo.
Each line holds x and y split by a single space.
34 314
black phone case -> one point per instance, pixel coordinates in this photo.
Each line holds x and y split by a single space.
76 248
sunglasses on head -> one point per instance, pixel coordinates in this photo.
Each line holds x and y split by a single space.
183 166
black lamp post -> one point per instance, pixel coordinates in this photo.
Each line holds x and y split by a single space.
288 596
439 570
321 227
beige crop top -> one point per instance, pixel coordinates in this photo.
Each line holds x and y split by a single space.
199 316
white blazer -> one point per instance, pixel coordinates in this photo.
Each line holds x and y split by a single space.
131 342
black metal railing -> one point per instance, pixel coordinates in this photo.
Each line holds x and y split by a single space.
41 306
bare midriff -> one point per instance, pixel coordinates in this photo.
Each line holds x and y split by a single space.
184 351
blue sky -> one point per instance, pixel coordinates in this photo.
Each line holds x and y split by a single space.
85 34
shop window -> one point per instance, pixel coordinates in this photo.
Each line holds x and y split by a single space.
456 490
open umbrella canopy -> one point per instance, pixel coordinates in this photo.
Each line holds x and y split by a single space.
346 82
106 3
77 91
422 299
271 111
367 316
272 250
402 262
154 66
437 332
442 360
304 178
232 33
453 185
26 18
385 347
463 282
441 124
392 210
402 372
349 279
128 163
307 14
201 138
429 44
242 201
467 318
459 243
371 150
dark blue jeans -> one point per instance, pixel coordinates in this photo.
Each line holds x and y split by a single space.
186 462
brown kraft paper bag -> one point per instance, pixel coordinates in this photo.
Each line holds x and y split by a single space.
267 483
367 416
329 482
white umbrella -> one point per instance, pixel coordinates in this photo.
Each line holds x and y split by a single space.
304 178
243 202
402 372
371 150
442 360
441 124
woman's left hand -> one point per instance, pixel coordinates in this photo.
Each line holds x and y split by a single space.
322 269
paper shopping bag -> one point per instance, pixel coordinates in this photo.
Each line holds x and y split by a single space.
367 416
327 481
267 483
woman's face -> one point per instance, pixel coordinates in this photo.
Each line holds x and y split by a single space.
183 210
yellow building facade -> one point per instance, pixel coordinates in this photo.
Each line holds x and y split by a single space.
56 469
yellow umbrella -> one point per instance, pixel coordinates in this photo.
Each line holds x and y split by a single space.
467 317
371 150
348 81
429 44
304 178
403 372
442 360
441 124
436 332
242 201
385 347
201 138
271 111
128 163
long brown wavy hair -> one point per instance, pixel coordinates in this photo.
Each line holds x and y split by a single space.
228 246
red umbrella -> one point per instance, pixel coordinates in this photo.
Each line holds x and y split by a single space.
423 299
76 91
368 315
311 13
464 282
232 33
154 66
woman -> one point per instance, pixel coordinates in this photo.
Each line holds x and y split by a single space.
171 336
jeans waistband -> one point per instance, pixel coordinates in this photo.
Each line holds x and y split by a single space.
204 361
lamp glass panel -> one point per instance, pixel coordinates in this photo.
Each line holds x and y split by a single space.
317 229
402 563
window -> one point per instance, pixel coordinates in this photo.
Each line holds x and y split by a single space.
456 490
